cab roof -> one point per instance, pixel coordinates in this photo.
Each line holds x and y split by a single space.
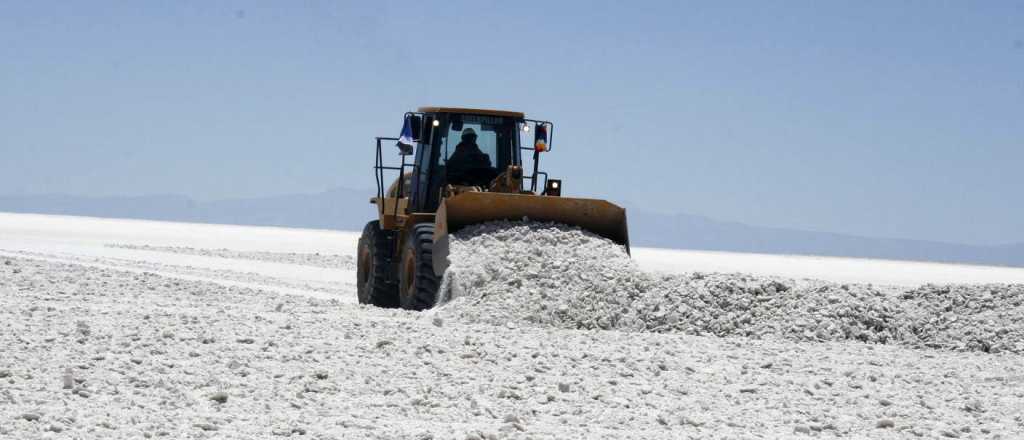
472 111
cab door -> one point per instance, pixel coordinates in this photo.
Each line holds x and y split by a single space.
424 183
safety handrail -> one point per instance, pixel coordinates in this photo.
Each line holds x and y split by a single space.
379 168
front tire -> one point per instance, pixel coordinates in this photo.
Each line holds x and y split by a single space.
373 283
417 282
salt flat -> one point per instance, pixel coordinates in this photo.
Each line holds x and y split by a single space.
89 237
129 329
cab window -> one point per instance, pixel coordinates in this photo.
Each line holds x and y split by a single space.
493 137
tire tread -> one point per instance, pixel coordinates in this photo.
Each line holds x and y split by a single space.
383 290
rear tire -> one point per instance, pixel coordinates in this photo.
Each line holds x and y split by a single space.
374 284
417 282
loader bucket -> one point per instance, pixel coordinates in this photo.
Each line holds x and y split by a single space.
597 216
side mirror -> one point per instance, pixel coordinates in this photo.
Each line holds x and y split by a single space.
416 122
456 122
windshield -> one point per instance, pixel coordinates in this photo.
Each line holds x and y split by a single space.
476 148
492 133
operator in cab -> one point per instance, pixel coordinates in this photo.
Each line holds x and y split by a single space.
468 165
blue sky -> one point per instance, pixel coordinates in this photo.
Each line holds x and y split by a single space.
888 119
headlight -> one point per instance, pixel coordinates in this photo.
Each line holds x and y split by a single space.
553 188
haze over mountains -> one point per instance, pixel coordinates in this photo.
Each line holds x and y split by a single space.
348 209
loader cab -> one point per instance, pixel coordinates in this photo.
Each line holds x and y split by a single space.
461 147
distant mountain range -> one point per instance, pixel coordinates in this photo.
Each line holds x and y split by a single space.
347 209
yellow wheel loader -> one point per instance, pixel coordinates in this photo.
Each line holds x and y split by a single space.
458 167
